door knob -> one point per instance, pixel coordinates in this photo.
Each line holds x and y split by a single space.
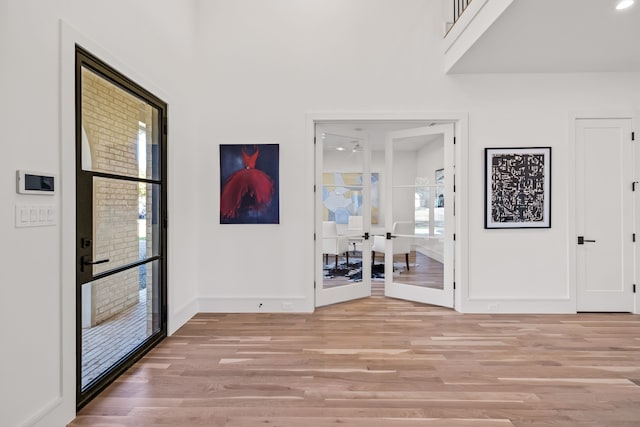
582 240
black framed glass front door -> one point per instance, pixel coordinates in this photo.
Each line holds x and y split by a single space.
121 206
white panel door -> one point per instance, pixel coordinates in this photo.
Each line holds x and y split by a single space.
604 215
343 216
419 213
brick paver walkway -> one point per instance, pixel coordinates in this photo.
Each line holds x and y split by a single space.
105 344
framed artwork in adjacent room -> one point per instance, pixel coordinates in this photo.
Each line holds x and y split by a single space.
342 196
249 184
517 187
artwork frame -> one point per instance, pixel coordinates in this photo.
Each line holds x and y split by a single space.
249 184
517 187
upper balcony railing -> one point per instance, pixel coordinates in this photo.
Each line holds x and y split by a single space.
458 8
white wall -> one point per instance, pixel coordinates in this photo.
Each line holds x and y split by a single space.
148 38
270 63
261 67
429 159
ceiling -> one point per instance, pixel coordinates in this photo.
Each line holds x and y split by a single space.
347 135
557 36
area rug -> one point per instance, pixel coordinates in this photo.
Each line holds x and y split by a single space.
353 270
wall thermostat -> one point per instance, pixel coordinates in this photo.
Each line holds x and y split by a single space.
35 183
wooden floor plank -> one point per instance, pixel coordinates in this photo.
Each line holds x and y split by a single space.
383 362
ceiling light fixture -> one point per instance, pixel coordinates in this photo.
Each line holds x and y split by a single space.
340 148
624 4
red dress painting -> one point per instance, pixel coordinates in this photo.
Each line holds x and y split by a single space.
246 188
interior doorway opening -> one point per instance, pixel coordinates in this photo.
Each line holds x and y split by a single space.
381 203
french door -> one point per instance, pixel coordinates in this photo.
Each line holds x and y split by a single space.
391 198
419 215
120 223
343 216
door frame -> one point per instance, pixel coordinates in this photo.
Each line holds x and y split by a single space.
62 406
572 230
460 121
84 58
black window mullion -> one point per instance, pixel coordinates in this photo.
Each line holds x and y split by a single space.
125 178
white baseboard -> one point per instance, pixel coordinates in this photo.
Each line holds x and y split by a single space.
181 316
49 415
431 253
519 306
294 304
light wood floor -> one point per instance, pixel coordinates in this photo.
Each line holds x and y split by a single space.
380 362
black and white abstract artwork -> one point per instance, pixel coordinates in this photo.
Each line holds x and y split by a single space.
518 187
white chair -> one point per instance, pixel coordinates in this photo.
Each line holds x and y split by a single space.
354 226
401 245
332 244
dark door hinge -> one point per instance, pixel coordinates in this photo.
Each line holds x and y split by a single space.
634 288
314 188
314 237
634 237
454 285
314 140
633 185
454 237
454 140
633 136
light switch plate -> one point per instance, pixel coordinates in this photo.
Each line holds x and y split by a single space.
35 215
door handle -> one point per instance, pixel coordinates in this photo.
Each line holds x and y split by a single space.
582 240
84 261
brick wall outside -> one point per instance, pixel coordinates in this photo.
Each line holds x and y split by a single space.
111 120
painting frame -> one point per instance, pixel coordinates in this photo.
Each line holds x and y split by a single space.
249 184
517 187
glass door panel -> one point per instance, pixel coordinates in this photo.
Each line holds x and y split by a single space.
104 343
121 242
124 220
344 211
119 130
418 257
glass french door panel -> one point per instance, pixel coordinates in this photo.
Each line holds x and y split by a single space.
119 312
429 211
418 200
120 132
342 211
126 222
